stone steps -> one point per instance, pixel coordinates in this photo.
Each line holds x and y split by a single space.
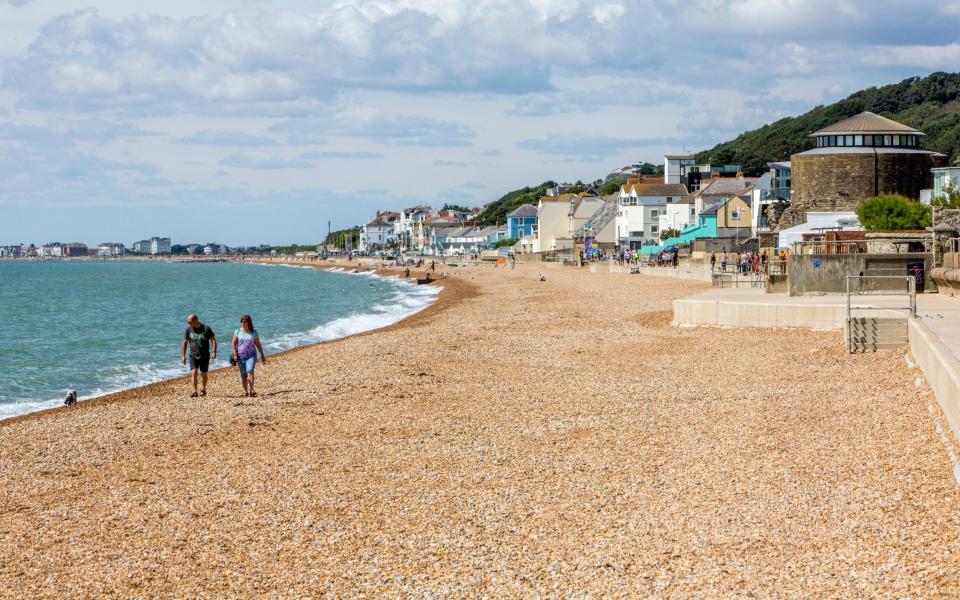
869 334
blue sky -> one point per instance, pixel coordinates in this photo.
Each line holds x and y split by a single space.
247 122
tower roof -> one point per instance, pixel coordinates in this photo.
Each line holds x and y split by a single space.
866 122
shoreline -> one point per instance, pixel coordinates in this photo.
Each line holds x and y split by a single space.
444 297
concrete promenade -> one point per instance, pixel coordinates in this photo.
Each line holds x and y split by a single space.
934 335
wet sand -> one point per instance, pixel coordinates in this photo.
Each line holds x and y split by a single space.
517 438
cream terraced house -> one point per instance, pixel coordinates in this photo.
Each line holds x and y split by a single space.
560 217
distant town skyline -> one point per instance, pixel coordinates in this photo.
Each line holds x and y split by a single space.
259 122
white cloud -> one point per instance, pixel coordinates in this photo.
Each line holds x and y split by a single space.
227 138
345 155
65 132
247 161
590 146
383 128
608 14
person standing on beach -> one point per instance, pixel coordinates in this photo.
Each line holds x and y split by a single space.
201 340
713 261
246 343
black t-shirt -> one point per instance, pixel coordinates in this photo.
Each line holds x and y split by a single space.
199 339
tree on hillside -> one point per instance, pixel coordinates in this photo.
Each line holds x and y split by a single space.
611 187
893 212
496 212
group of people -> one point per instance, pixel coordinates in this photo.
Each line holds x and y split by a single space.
744 262
202 342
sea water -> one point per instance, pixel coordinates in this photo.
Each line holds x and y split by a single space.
104 326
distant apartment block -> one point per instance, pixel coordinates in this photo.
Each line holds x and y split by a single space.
16 251
154 246
52 250
160 245
111 249
213 249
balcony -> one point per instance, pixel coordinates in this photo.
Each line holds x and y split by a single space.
775 193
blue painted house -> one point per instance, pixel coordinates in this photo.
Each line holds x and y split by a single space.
521 222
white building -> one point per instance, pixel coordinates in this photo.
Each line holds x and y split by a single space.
407 223
160 245
817 222
678 215
111 249
378 233
943 178
673 167
54 250
214 248
641 205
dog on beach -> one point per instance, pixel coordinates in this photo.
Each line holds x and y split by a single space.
71 398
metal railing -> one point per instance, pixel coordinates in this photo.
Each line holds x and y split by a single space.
755 279
911 293
866 246
953 245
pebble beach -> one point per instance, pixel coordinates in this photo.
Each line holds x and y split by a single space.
518 438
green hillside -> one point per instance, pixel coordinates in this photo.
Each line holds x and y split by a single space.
496 212
930 104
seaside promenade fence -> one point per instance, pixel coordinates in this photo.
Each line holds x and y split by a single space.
877 245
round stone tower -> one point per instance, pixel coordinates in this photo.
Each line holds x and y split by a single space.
855 159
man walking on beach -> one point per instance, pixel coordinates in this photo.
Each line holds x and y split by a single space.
201 340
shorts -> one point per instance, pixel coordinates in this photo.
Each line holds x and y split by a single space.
247 365
202 364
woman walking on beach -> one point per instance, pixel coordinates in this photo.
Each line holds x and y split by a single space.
246 343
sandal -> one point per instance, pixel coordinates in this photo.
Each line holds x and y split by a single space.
252 394
203 392
194 395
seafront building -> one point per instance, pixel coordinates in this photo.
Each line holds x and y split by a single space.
641 205
559 218
944 178
379 233
111 249
214 249
855 159
154 246
521 222
52 250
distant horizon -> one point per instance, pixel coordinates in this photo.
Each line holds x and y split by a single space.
213 120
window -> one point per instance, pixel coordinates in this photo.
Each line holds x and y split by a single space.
669 199
868 140
849 140
858 140
653 229
896 140
653 213
833 140
887 140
